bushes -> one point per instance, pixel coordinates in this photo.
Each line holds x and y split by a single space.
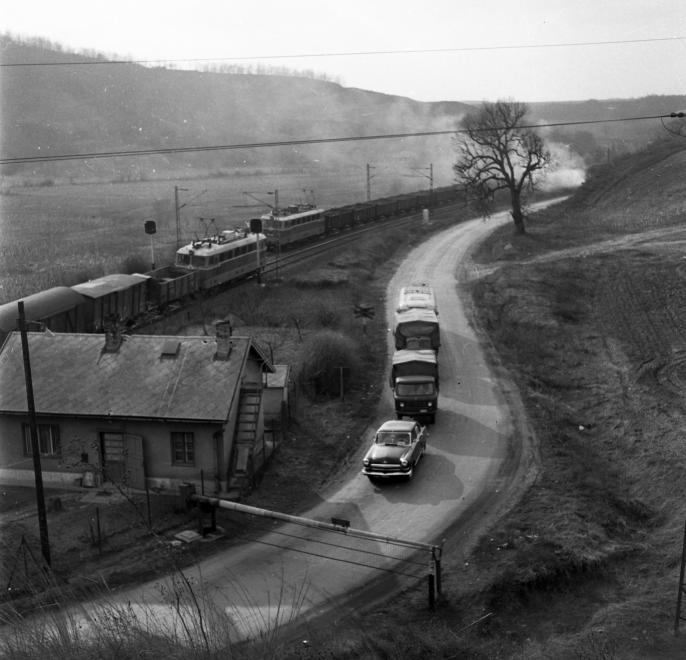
329 361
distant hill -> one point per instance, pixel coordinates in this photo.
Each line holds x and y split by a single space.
97 107
101 107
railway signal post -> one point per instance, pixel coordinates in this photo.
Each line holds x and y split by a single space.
365 312
256 228
150 228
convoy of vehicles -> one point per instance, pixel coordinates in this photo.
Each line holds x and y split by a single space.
414 381
397 449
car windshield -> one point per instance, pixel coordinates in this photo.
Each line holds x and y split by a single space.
392 438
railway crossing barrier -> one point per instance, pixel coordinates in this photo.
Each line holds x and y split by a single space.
338 525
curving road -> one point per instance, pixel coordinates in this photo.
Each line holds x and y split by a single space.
294 571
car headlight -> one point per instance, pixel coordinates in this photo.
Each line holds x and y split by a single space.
430 404
403 462
402 405
365 461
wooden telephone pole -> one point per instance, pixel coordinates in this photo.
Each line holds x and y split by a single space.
35 445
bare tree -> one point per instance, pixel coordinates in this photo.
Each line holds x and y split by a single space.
498 151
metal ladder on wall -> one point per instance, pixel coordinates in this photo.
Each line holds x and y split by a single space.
246 451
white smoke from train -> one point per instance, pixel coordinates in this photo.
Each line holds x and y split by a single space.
566 170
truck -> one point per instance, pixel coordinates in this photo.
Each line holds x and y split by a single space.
414 381
417 296
417 329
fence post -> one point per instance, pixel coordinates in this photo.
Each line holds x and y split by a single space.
432 594
436 553
681 585
97 523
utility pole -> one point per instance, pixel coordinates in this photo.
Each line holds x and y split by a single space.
35 446
177 209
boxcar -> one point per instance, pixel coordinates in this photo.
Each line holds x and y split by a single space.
59 309
120 295
169 284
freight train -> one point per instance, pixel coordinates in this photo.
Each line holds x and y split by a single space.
202 265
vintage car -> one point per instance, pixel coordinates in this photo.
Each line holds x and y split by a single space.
398 446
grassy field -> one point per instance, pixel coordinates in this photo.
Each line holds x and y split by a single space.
63 234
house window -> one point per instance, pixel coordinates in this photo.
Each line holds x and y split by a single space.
183 448
48 440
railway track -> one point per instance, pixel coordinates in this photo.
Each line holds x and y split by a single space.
301 255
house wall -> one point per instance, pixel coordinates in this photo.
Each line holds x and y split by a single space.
81 437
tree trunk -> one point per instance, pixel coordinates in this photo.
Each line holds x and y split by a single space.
516 213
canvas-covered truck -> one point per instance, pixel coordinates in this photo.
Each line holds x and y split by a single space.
414 381
417 329
417 296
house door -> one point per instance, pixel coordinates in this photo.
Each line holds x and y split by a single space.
135 462
113 457
122 459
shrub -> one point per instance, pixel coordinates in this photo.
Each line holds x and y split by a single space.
329 360
135 264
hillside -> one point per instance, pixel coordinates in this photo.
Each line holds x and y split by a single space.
584 316
98 107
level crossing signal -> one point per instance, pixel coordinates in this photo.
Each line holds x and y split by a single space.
364 311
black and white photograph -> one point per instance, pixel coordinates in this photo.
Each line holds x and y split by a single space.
342 330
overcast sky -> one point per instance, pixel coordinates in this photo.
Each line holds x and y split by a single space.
429 51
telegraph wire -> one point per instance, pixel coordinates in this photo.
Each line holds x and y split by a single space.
268 530
291 143
366 53
321 556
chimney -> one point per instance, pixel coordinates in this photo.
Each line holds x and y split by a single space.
224 340
113 337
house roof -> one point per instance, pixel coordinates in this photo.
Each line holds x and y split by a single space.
39 306
73 375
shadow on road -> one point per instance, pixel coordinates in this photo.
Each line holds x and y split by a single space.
460 435
434 481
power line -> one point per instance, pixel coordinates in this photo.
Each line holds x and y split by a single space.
366 53
288 143
338 546
261 541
